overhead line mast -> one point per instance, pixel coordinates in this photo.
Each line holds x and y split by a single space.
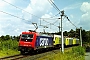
62 14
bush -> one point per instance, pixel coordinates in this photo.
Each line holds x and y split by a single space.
78 50
9 44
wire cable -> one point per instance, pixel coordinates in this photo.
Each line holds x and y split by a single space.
16 16
54 5
70 21
29 12
25 11
12 15
49 22
20 8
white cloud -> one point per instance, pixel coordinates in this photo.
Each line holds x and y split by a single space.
13 27
4 4
85 19
85 7
37 8
74 6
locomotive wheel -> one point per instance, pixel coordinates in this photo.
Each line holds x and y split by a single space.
22 52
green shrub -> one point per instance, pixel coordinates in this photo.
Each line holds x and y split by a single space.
78 50
9 44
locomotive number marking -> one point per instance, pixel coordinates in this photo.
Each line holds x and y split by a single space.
43 41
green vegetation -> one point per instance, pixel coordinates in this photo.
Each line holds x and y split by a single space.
75 53
8 46
9 52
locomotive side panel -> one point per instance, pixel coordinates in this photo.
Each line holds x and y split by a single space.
44 42
66 41
70 41
77 41
57 39
74 41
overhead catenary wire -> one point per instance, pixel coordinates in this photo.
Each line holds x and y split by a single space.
71 22
20 8
27 12
53 23
13 15
35 15
17 17
54 15
49 22
51 2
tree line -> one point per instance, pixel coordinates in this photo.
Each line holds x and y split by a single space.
8 37
71 33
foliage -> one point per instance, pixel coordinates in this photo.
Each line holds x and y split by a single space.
8 37
9 44
70 54
78 50
8 52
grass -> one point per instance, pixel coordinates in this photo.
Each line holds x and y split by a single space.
70 54
9 52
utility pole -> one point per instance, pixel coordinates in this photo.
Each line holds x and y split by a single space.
62 14
81 36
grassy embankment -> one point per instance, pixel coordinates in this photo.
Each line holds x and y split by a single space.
8 48
75 53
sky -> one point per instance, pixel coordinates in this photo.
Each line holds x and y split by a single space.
17 16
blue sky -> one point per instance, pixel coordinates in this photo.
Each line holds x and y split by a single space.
78 12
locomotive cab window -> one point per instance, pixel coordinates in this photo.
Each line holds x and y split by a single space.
27 37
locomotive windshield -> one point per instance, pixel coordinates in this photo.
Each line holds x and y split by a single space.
27 37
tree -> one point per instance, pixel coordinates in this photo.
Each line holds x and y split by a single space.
65 33
2 37
77 34
88 36
71 33
16 38
7 37
84 36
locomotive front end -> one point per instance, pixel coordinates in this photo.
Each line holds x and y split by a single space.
26 42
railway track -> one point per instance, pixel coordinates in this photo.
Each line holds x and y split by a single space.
14 57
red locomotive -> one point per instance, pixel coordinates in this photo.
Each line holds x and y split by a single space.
30 41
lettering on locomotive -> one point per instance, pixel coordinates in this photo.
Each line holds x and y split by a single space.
43 41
